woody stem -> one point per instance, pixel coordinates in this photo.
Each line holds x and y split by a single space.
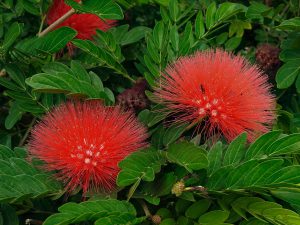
145 208
57 22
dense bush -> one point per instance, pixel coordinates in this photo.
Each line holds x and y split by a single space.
149 112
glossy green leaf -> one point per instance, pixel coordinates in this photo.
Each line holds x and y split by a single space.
105 9
134 35
287 74
258 148
290 24
142 165
215 155
213 217
55 40
11 35
100 210
197 209
211 15
187 155
228 9
199 25
174 9
235 151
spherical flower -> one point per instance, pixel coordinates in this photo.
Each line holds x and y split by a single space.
220 91
84 142
84 23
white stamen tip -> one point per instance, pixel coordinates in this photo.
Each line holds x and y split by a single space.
94 163
201 111
89 152
101 147
208 105
97 154
73 156
87 160
214 112
215 101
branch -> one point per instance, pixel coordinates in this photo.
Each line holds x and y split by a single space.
57 22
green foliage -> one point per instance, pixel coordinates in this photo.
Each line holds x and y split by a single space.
108 212
219 183
20 180
187 155
142 165
259 167
175 36
105 9
74 81
264 210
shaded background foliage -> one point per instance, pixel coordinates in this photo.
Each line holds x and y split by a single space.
218 182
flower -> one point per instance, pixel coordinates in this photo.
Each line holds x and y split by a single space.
267 57
134 98
219 89
85 24
84 142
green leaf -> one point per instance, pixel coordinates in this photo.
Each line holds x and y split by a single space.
221 38
13 32
188 155
233 43
14 115
16 74
174 37
215 157
173 133
210 15
199 25
134 35
197 209
74 82
287 74
235 151
141 165
256 9
55 40
161 186
174 10
286 145
105 9
257 149
214 217
290 24
289 54
265 210
20 180
8 214
228 9
101 210
102 55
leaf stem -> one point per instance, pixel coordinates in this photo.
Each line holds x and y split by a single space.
145 208
57 22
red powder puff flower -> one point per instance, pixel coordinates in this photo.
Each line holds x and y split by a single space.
84 142
85 24
221 90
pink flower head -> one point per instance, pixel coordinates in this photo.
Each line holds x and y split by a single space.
84 142
221 90
84 23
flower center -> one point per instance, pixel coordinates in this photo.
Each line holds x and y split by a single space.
89 154
210 107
